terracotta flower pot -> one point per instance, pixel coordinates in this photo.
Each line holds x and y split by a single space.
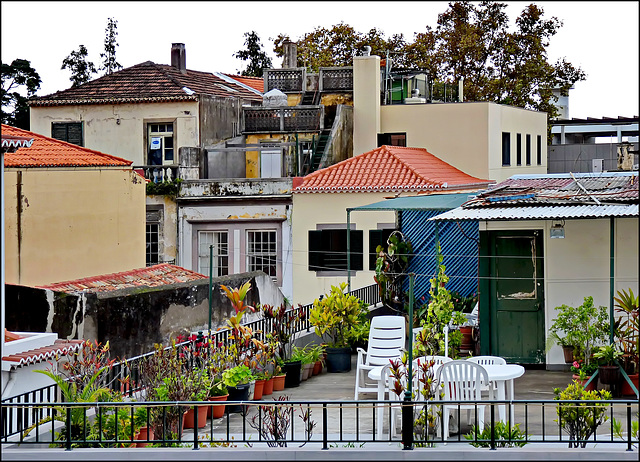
215 412
568 353
278 382
592 385
144 434
626 388
189 417
258 391
317 368
268 387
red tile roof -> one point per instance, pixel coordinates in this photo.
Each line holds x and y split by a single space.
254 82
389 168
147 82
49 152
152 276
37 355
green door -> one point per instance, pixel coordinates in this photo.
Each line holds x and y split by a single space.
516 315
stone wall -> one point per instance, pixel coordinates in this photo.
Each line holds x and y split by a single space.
133 319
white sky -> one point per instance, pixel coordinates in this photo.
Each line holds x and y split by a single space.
600 37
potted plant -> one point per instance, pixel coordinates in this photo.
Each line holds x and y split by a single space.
627 331
391 265
283 323
237 380
582 374
331 315
584 327
580 421
608 370
218 392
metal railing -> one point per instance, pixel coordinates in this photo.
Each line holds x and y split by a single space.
328 423
284 119
125 376
158 173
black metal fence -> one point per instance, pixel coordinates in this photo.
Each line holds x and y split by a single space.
324 424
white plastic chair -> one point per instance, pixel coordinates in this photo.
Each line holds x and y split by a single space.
387 338
462 380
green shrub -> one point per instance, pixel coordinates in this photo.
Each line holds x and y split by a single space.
504 436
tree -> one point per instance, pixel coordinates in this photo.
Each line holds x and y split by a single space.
109 63
337 46
258 59
80 68
16 78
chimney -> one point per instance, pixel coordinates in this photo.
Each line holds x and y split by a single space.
290 51
179 57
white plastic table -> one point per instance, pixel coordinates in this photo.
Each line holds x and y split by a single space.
498 373
501 374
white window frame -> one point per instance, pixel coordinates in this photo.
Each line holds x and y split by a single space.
162 135
269 254
219 253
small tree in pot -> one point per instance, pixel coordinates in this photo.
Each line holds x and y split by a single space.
331 316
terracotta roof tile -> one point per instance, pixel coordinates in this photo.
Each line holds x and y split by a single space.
389 168
254 82
152 276
49 152
147 82
37 355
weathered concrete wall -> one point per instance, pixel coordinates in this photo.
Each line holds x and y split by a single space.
219 119
226 164
132 320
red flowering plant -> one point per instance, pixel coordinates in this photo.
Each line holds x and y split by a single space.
583 370
283 324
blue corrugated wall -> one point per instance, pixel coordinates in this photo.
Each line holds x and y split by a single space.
459 246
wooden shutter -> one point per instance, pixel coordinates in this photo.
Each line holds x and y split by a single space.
315 251
356 256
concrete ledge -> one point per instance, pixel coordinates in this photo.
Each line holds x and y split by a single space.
371 451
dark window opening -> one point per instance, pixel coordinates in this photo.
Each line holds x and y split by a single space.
528 150
539 150
377 237
153 244
328 250
518 149
71 132
506 149
392 139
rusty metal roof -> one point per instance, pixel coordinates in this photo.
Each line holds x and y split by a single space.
152 276
554 196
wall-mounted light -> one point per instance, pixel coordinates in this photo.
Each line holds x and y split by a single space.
557 230
118 121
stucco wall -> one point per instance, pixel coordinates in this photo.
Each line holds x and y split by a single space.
468 135
579 265
126 139
72 223
312 209
132 320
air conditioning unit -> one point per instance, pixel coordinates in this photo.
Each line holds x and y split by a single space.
597 165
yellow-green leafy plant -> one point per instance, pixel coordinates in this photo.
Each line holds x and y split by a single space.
578 415
334 313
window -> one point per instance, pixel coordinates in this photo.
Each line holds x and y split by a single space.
153 244
377 237
220 242
160 144
518 149
262 252
528 150
328 250
392 139
506 149
539 150
271 160
71 132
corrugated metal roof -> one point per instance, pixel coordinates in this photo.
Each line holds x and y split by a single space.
540 213
422 202
152 276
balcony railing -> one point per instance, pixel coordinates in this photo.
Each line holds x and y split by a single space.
285 80
336 79
286 119
158 173
334 423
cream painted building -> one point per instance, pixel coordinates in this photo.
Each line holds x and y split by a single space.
515 315
485 140
70 213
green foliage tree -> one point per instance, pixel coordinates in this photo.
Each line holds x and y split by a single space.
17 78
470 40
109 63
253 53
81 69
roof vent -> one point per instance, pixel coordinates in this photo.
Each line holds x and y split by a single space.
179 57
